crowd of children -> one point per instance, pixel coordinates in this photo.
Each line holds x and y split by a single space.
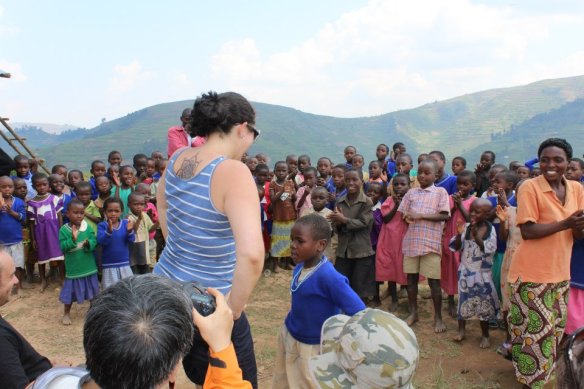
103 229
393 222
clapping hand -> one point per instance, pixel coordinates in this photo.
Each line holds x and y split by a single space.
457 198
460 227
337 216
501 213
502 198
130 225
74 232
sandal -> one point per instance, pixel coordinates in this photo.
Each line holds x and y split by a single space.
505 351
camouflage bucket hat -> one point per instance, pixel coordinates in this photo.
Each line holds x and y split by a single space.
372 349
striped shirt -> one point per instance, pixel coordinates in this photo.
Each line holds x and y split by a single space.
424 236
200 245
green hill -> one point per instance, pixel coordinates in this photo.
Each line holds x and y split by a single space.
521 141
455 126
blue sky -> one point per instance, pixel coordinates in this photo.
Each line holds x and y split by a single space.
76 62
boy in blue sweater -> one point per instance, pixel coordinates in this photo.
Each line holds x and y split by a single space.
318 292
12 215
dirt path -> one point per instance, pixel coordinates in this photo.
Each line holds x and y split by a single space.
443 363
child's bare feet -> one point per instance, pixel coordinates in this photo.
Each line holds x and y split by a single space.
393 306
66 320
43 285
385 294
485 342
413 318
460 337
439 326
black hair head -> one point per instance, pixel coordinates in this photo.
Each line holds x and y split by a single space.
75 202
468 174
509 176
113 200
461 159
579 161
56 168
96 162
141 326
319 226
112 153
262 166
491 153
556 142
311 169
138 157
439 153
406 155
38 176
81 185
214 112
21 158
304 156
352 170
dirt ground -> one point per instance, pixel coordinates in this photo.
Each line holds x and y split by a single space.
443 363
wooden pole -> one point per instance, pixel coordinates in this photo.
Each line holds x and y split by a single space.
9 141
21 141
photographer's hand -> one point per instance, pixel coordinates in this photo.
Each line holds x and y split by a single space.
216 328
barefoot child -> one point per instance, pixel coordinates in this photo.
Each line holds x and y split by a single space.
389 259
375 192
139 248
477 242
44 213
152 212
318 292
282 196
425 209
115 235
459 212
12 215
77 241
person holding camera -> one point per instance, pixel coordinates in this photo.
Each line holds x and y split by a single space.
136 333
208 212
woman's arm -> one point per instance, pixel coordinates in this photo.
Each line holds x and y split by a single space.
162 205
241 208
532 230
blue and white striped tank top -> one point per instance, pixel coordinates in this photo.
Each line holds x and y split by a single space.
200 245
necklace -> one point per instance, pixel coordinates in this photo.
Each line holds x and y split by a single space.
294 284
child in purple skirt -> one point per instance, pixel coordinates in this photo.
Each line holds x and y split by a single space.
77 241
44 213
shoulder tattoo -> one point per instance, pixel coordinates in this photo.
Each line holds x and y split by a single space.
188 168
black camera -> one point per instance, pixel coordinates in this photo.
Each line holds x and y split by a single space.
202 301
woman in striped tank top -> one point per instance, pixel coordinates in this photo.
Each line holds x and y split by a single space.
208 213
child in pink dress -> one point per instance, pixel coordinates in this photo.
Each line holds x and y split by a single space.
459 209
389 257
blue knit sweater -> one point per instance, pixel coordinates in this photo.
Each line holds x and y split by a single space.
324 294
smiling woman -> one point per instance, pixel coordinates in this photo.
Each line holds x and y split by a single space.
550 215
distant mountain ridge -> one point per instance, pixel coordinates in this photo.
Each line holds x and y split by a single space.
459 126
50 128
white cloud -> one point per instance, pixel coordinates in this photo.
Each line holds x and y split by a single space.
128 77
399 54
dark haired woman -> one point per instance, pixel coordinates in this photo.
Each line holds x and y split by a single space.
208 205
549 215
